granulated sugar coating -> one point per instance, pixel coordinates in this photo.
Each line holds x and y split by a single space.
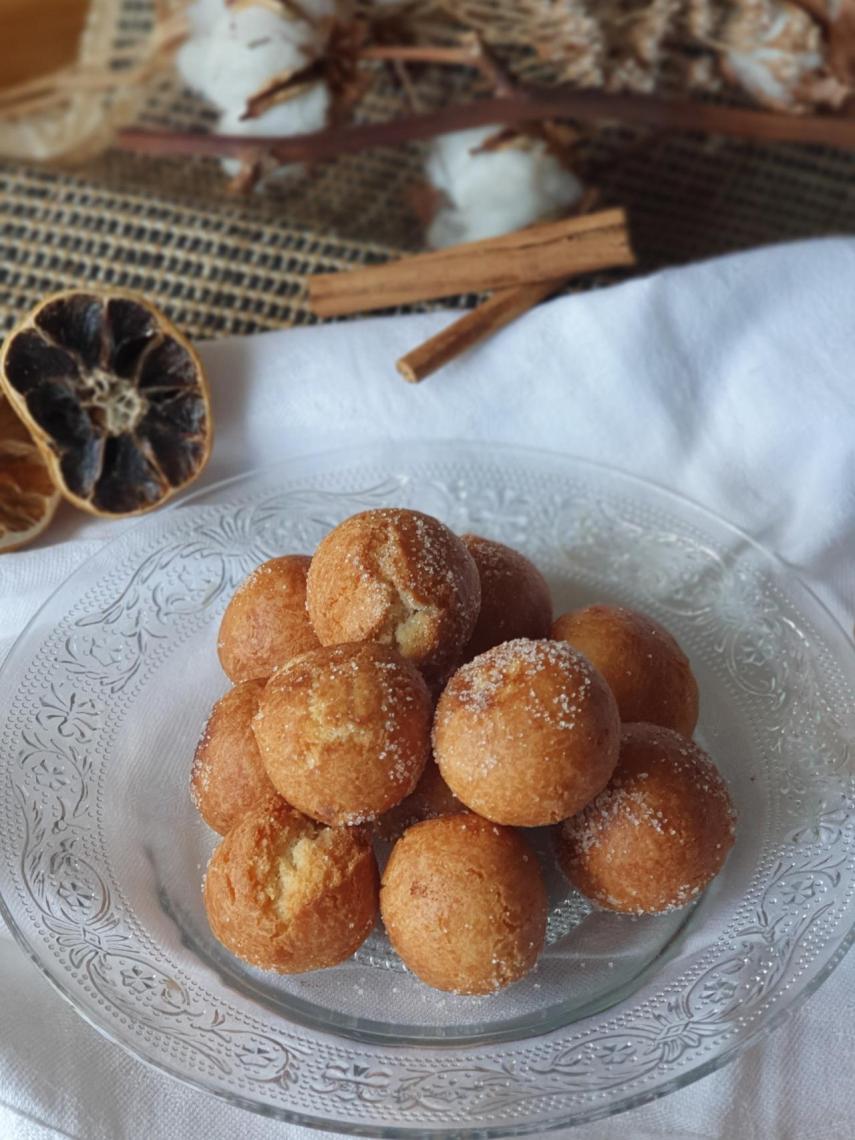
266 623
464 904
641 662
527 733
400 578
344 731
658 833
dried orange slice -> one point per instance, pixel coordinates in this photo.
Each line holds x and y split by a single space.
114 396
28 497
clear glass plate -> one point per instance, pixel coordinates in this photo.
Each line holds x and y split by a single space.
102 854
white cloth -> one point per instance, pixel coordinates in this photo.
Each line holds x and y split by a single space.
732 381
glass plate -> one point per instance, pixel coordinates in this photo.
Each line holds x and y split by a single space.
101 852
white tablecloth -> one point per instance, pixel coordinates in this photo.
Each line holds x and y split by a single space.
732 381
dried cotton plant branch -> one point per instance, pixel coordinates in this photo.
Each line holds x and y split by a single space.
527 105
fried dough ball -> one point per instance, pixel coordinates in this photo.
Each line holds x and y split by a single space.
659 832
287 894
228 777
515 600
527 733
464 904
266 623
431 799
400 578
643 665
344 731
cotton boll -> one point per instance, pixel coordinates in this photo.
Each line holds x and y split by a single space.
774 51
244 49
450 157
300 115
494 192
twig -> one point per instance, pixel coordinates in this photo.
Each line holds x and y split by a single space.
419 53
500 81
528 104
407 85
472 53
247 177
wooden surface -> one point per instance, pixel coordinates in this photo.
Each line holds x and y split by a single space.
38 36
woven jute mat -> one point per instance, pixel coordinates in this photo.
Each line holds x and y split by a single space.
222 265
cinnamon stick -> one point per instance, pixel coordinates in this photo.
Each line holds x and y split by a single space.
540 253
504 306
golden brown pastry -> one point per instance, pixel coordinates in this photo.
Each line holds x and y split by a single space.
285 893
643 665
527 733
399 578
266 623
464 904
660 831
515 600
431 799
228 777
344 731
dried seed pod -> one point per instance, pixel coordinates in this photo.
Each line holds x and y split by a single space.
114 397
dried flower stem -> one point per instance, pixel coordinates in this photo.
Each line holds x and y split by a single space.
407 86
471 53
419 53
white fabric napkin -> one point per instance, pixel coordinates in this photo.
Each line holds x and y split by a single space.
731 381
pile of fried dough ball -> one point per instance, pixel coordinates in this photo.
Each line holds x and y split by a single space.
410 686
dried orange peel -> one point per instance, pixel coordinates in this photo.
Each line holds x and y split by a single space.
28 497
114 397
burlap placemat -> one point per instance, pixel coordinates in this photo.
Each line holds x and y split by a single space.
222 265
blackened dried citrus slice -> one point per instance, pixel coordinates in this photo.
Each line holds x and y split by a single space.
114 396
28 497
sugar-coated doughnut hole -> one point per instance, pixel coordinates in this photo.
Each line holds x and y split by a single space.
658 833
228 776
515 600
464 904
643 665
400 578
344 731
266 622
527 733
285 893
